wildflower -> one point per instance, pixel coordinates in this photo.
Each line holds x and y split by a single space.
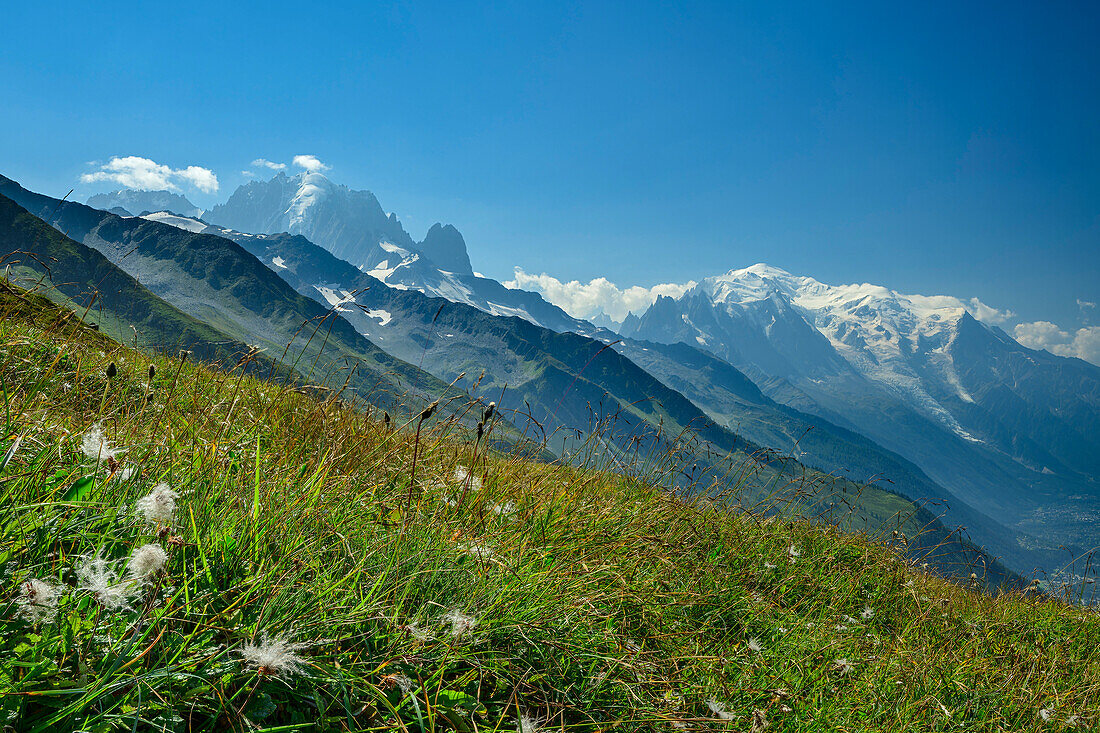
274 657
95 445
158 506
793 553
38 600
146 561
755 646
527 724
843 666
719 709
867 614
462 474
460 622
98 577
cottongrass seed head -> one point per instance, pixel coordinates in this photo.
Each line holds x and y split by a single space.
755 646
37 600
793 553
867 614
460 622
274 657
462 474
97 576
146 561
95 445
843 666
158 507
719 709
527 724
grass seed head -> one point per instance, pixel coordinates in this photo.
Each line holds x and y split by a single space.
95 445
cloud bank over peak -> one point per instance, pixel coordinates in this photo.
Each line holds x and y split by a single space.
310 163
1084 343
583 300
132 171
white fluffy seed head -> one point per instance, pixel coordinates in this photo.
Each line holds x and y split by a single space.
460 622
719 709
843 666
146 561
755 646
95 445
276 656
98 576
38 600
527 724
868 613
158 507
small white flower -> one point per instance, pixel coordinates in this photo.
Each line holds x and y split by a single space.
158 507
719 709
146 561
38 600
97 576
755 646
868 613
843 666
96 446
460 622
274 656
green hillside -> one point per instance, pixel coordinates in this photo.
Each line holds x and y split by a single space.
200 550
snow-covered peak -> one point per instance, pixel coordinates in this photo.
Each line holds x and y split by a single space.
180 222
313 189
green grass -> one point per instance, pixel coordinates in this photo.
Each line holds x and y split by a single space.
601 602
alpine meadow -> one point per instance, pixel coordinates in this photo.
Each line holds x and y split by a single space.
697 367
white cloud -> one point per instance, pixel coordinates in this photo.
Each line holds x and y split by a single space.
141 173
248 174
582 300
310 163
988 314
1084 343
264 163
1085 304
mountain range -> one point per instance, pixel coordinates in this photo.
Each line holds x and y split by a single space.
908 392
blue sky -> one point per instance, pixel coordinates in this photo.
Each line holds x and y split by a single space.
940 148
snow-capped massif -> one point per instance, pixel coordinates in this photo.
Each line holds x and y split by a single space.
353 226
139 202
980 413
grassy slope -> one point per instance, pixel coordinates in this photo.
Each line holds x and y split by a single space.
599 600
